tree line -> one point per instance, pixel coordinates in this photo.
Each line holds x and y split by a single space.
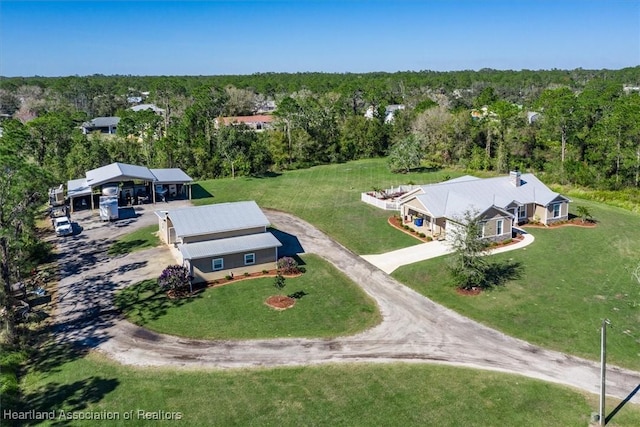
584 131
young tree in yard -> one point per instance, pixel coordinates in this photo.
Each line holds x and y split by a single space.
469 265
279 282
405 154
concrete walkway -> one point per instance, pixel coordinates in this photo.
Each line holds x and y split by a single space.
390 261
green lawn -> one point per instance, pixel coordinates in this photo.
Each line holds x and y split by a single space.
332 305
143 238
573 278
328 197
335 395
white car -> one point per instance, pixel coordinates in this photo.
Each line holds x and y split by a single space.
62 226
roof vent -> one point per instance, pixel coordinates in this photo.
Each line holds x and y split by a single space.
514 178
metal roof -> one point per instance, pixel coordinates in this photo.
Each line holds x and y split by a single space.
451 199
232 245
216 218
151 107
171 176
78 187
102 122
118 172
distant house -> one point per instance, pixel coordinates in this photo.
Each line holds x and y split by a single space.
221 239
265 107
389 112
151 107
533 116
500 203
106 125
257 123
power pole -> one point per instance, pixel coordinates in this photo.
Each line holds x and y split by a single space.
603 368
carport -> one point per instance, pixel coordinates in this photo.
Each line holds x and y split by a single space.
136 178
172 181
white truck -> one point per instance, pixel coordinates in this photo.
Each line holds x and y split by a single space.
62 226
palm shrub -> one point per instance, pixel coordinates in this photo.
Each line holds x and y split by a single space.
584 213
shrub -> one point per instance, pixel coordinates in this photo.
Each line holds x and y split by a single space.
265 271
287 265
422 235
246 274
174 277
228 277
429 238
406 227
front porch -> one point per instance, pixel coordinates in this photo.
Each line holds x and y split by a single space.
423 224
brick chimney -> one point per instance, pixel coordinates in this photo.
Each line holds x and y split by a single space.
514 178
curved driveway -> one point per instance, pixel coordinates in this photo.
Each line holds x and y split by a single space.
413 329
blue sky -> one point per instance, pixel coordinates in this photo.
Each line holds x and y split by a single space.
55 38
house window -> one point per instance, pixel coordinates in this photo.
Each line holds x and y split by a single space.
217 264
481 227
249 259
499 227
556 210
522 212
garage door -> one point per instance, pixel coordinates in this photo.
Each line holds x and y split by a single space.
451 230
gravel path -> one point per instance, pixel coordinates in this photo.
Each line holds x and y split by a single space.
413 329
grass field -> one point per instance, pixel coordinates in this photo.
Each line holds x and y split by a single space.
332 395
332 305
328 197
573 278
143 238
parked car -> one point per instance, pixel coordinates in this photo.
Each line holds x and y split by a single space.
62 226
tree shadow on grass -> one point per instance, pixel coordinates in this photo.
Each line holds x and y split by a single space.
268 174
298 294
125 247
145 301
499 273
63 399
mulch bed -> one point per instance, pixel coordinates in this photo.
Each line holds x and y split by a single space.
469 292
573 222
280 302
396 222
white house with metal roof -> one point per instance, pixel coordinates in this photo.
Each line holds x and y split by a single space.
220 239
500 203
136 182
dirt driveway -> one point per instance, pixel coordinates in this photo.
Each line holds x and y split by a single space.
414 328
